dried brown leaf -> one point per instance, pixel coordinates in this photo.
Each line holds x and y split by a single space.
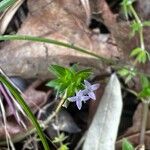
52 20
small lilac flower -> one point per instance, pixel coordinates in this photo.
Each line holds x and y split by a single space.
79 98
89 89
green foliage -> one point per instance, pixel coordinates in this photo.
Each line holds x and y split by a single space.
136 51
140 55
127 73
146 23
63 147
60 139
126 7
17 95
68 79
144 94
126 145
144 81
136 27
4 4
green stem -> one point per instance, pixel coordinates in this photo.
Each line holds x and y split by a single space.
59 43
55 42
145 104
141 29
27 110
141 39
144 122
60 105
135 14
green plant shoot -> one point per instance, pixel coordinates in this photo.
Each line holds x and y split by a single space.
126 145
68 79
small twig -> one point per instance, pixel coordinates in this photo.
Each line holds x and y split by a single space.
133 136
144 122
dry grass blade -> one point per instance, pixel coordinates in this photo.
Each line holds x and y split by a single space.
17 108
87 8
8 138
8 14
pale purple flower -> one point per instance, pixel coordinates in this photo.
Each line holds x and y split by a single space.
79 98
89 88
84 95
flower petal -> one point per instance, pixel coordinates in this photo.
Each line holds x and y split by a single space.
87 84
95 86
85 92
85 98
73 99
92 95
79 94
79 104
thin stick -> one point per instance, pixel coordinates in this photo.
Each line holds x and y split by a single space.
144 122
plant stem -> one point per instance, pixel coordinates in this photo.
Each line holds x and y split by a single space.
27 110
141 29
60 105
112 62
145 104
56 42
144 122
135 14
141 39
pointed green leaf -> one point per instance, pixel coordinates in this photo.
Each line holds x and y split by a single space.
68 79
74 68
145 93
144 81
136 27
136 51
146 23
148 55
54 83
128 78
126 7
57 70
123 72
71 90
83 74
141 57
126 145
